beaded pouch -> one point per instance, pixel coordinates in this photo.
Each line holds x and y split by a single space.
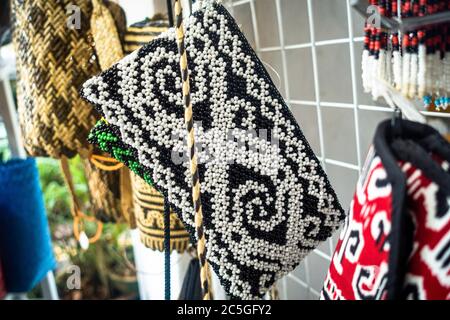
148 202
266 200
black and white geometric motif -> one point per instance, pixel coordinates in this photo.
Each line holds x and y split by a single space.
266 205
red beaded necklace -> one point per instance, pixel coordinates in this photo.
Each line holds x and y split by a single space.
416 63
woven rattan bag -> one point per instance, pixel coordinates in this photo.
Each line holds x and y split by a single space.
149 212
55 55
109 181
54 58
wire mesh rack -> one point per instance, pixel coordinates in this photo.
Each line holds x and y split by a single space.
315 48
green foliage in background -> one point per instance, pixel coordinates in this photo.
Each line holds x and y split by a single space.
109 255
56 195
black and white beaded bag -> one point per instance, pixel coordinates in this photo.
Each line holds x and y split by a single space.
266 200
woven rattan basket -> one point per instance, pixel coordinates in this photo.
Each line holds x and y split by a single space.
149 212
54 58
53 61
144 31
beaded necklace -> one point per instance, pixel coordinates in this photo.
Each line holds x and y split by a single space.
416 63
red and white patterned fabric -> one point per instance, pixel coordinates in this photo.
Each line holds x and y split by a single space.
428 275
376 247
359 266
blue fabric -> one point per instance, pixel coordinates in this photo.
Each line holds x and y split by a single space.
25 245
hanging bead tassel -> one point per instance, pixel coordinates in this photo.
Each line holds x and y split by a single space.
415 63
421 73
365 60
446 69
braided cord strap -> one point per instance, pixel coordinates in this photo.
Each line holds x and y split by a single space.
188 117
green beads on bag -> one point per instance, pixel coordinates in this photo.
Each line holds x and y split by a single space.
107 141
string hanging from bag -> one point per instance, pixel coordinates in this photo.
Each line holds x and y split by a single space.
189 122
79 218
167 250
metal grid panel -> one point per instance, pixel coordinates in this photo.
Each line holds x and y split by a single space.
322 18
299 283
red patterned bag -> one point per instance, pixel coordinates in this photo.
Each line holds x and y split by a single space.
396 240
2 283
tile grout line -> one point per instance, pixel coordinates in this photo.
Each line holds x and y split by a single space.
319 113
